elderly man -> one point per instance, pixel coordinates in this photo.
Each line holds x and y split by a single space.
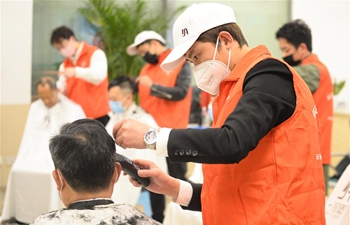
30 188
85 172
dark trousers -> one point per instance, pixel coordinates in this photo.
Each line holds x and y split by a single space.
177 170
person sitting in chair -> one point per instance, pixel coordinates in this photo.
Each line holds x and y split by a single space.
84 155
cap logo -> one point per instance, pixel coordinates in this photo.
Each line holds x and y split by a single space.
184 32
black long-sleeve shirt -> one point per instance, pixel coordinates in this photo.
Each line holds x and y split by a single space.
179 91
268 100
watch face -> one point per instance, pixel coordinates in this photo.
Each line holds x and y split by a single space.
150 137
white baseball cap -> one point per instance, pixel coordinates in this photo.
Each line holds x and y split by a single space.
142 37
194 21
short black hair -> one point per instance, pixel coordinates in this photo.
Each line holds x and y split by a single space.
47 80
296 32
85 154
60 33
124 82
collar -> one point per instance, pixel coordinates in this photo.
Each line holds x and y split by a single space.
90 203
76 56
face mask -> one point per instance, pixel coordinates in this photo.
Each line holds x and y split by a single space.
289 59
116 107
68 51
210 73
210 111
150 58
59 193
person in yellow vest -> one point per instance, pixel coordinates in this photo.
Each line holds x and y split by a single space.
261 158
295 41
83 74
166 96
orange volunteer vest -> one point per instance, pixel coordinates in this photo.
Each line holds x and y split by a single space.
323 97
280 181
167 113
92 98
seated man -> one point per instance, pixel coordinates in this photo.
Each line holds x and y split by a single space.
30 189
85 172
120 94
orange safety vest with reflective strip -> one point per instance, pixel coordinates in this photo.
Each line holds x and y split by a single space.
323 97
167 113
281 180
92 98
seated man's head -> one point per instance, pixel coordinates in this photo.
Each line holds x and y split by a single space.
47 91
120 93
84 156
63 39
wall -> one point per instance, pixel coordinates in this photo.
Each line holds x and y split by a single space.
15 82
330 25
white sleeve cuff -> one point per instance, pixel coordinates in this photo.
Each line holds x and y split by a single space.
185 193
162 142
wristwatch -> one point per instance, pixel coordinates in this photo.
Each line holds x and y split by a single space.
150 138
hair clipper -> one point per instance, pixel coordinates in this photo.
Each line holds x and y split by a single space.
131 169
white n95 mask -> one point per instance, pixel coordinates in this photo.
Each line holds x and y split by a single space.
210 73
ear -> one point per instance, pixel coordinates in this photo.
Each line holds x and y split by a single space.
59 184
117 172
226 39
303 47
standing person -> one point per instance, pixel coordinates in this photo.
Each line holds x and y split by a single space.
83 73
30 185
85 172
261 158
166 96
120 93
295 42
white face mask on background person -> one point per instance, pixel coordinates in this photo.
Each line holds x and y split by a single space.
210 73
69 50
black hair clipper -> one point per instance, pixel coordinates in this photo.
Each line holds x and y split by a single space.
131 169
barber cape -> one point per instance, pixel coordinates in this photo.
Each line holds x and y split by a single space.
124 191
111 214
31 189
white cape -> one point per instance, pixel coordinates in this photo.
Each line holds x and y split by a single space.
31 189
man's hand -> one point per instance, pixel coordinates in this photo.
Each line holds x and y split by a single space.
128 133
161 182
145 81
68 72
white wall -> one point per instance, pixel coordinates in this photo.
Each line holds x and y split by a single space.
329 23
16 51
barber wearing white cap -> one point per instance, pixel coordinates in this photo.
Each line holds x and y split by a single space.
164 95
261 158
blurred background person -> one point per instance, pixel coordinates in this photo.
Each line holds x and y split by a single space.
83 73
120 93
164 95
85 172
295 41
30 189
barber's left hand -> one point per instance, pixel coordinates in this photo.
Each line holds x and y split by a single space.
145 81
69 72
128 133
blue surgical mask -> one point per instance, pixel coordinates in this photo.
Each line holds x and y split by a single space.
116 107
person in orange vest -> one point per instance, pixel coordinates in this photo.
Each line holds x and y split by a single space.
164 95
295 42
82 74
261 158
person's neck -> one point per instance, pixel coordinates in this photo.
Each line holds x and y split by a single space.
74 196
239 54
305 55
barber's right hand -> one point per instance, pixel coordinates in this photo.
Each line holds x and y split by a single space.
161 182
129 133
